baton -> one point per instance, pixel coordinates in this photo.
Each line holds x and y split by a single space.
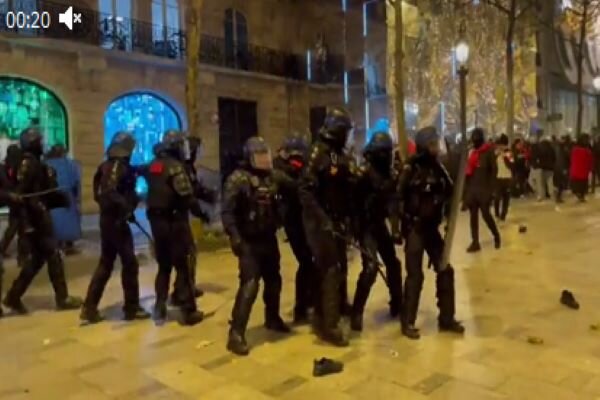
43 192
148 236
363 252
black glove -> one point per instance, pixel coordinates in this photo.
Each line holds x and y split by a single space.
236 245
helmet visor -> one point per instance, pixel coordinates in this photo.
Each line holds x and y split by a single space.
262 160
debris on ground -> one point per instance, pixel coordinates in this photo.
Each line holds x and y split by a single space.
394 353
327 366
535 340
568 299
595 327
204 343
522 229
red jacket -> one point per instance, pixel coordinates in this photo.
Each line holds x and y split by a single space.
582 163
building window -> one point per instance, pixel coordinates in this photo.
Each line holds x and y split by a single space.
145 115
165 20
115 16
24 103
236 39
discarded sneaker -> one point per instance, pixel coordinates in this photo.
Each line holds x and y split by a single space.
327 366
567 299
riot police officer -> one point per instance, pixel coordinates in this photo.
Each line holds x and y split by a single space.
326 210
114 191
377 196
250 218
170 200
203 193
291 161
36 243
425 192
12 200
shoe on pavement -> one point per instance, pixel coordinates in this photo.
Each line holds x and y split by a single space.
90 316
237 344
567 299
277 325
335 337
497 242
160 312
326 366
452 327
356 322
16 306
411 332
474 248
192 318
137 313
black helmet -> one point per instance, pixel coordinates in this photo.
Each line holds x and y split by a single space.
478 137
32 141
337 126
175 144
121 145
295 145
257 153
379 151
424 137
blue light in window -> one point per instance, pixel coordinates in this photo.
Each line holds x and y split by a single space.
309 65
346 88
147 117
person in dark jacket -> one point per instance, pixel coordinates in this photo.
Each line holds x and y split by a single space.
543 164
11 163
582 165
291 162
561 169
481 173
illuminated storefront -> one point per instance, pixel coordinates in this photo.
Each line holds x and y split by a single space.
24 103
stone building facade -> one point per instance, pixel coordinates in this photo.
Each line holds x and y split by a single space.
87 78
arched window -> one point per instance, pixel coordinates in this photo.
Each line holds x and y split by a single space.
236 39
147 116
24 103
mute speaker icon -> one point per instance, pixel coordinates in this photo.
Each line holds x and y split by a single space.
68 18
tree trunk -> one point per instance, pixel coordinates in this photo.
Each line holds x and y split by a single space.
193 21
580 56
510 71
395 72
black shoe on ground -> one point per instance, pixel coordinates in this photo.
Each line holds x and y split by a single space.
15 306
335 337
452 327
70 303
356 322
90 316
326 366
160 312
567 299
191 318
474 248
1 312
237 344
497 242
277 325
136 314
394 311
198 292
411 332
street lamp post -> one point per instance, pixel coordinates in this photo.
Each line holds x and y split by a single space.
462 57
597 87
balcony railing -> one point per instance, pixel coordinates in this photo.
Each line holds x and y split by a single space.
130 35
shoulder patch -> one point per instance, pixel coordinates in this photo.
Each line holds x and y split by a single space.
157 168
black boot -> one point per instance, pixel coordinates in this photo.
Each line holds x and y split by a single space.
300 315
56 271
451 327
90 316
160 312
135 313
15 305
198 292
411 332
237 343
497 242
474 247
191 318
335 336
356 321
277 324
363 288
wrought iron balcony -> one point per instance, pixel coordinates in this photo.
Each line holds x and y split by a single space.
130 35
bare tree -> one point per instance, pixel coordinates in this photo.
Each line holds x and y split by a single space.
514 11
581 18
395 71
193 20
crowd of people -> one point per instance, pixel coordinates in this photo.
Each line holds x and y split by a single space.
324 199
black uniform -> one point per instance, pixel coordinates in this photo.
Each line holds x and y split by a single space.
250 217
425 190
377 186
114 191
10 166
203 193
291 163
36 237
170 200
327 210
10 199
